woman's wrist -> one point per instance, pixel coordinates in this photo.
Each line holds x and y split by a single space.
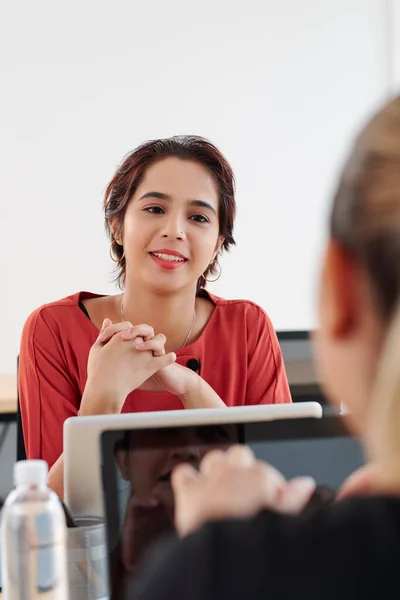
55 479
99 402
201 395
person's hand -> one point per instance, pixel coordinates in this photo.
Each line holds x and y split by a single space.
116 367
175 379
362 482
233 484
191 389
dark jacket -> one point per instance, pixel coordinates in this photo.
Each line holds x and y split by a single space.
347 551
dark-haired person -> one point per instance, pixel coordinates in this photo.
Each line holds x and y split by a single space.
352 548
169 212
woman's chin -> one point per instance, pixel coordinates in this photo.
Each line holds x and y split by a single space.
167 286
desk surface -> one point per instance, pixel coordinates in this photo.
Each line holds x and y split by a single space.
8 394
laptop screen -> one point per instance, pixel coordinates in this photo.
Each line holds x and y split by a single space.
137 465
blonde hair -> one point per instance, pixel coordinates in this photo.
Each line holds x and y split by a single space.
365 221
383 434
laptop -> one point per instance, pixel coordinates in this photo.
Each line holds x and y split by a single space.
82 477
137 464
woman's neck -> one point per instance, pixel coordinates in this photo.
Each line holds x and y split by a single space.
171 315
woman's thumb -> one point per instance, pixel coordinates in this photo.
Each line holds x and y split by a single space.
166 359
106 323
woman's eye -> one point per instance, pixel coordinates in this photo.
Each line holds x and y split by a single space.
199 218
157 210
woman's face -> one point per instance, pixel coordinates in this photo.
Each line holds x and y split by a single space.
171 226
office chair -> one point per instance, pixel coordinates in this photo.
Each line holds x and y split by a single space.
21 452
296 347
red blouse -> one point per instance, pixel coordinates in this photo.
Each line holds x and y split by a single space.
238 354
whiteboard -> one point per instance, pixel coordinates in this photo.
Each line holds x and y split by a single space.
280 86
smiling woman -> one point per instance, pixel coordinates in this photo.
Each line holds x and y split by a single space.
169 213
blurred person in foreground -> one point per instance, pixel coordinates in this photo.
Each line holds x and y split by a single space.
237 541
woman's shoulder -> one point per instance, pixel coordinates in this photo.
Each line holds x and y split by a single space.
238 306
56 312
240 315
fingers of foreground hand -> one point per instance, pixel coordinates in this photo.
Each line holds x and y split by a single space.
236 456
239 455
156 345
224 489
361 482
183 477
190 511
142 330
296 495
109 330
213 462
239 463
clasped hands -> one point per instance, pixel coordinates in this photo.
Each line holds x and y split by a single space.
126 357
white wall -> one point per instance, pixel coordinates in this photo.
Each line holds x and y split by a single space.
394 53
280 86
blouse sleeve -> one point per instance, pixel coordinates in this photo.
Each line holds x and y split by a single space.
267 381
47 394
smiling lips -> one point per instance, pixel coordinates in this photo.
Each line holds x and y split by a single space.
168 259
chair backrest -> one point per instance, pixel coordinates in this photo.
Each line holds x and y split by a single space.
21 452
297 353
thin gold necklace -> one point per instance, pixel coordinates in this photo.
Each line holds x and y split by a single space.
188 334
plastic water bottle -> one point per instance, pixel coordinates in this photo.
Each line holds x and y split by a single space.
33 537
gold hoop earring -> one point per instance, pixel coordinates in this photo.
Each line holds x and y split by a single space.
216 263
112 252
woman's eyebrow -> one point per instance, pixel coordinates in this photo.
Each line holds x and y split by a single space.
203 204
163 196
158 195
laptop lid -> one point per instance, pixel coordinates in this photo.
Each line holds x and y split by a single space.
137 465
82 478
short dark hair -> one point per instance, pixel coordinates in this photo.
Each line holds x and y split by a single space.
131 172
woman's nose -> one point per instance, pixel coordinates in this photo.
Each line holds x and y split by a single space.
173 227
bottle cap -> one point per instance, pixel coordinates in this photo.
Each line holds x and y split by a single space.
30 472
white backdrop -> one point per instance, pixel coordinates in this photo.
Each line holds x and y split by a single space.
279 85
394 52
